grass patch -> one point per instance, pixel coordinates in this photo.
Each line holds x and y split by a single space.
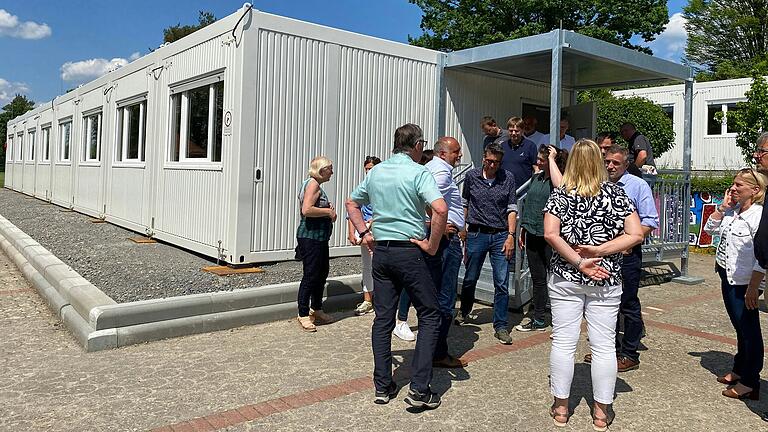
2 179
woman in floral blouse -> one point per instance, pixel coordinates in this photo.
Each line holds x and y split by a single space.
588 221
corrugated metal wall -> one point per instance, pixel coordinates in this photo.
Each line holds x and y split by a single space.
189 202
708 152
319 98
474 95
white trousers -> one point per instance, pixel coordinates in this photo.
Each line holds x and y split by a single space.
366 257
599 305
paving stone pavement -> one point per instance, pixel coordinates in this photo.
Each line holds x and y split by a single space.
274 377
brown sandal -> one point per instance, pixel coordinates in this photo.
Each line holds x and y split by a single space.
306 324
607 420
555 415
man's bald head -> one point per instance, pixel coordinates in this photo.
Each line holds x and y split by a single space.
448 149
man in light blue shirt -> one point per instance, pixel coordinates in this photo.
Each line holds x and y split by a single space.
616 162
447 155
403 259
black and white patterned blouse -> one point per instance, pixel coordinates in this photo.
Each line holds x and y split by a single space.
590 221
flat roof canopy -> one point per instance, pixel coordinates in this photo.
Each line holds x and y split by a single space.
586 62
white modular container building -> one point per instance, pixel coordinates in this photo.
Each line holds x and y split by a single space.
204 142
713 142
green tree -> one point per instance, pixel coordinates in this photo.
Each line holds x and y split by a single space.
451 25
750 118
648 117
174 33
726 38
18 106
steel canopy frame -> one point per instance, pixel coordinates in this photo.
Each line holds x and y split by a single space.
578 62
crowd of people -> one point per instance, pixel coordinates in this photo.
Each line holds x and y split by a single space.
589 205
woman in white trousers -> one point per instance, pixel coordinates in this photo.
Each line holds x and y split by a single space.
354 238
588 221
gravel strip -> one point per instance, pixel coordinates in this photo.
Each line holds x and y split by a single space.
127 271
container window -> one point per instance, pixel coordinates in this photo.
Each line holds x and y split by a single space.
730 108
131 132
65 132
196 124
10 148
46 149
92 137
31 135
20 147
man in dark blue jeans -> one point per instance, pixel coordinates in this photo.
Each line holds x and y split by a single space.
616 162
491 203
403 259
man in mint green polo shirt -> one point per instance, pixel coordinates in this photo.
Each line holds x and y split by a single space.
400 191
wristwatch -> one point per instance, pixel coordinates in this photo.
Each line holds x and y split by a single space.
362 234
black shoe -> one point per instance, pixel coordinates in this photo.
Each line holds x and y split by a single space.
428 400
460 319
531 325
383 397
503 336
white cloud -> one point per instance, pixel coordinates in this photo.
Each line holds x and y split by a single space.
11 26
86 70
134 56
670 44
8 90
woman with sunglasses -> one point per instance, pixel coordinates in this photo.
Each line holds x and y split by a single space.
588 221
551 163
354 237
736 221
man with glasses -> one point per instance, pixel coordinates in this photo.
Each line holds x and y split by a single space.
760 157
490 203
400 190
616 162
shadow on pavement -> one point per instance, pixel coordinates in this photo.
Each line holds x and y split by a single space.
581 388
719 363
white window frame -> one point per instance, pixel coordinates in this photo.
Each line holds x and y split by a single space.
20 147
31 143
723 124
183 89
122 121
62 148
87 128
45 149
9 148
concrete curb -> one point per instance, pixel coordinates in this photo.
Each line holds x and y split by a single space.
99 323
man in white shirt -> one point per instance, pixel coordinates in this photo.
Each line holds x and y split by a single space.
447 155
530 124
566 141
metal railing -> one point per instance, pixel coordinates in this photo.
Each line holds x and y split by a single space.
669 241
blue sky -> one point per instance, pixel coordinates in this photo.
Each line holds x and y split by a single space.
49 46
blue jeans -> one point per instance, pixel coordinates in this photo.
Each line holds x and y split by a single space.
478 246
748 361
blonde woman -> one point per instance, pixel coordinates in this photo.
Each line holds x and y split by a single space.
588 221
736 221
317 218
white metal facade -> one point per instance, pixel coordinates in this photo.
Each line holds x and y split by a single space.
708 152
291 90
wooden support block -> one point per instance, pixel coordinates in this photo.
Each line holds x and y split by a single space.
96 220
67 211
142 240
226 271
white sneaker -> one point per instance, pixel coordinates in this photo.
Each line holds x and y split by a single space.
363 308
403 331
